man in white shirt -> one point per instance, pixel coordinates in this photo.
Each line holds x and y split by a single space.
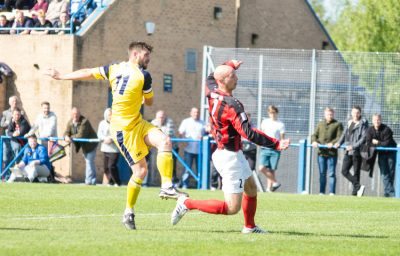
45 124
269 158
191 128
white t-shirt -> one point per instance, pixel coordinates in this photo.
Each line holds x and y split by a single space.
272 128
194 129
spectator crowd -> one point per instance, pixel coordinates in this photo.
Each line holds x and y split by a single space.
359 139
34 16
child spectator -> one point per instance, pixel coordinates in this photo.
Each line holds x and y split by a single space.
269 158
4 24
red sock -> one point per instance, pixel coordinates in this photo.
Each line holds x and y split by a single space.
209 206
249 207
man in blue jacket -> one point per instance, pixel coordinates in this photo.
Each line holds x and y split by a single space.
35 162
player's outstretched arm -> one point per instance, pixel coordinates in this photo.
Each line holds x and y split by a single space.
81 74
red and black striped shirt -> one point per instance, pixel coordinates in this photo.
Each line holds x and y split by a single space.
229 122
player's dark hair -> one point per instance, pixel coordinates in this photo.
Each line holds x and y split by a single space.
357 107
140 46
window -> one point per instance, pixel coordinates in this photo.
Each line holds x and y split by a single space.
254 38
191 60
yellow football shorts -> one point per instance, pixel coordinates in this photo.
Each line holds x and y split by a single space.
131 142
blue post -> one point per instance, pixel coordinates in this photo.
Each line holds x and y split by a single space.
199 166
1 156
206 156
397 173
301 173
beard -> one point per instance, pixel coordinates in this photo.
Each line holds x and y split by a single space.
143 64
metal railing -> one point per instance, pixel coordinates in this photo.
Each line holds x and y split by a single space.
203 173
74 16
201 177
21 151
302 178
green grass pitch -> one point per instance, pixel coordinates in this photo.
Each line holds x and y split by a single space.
46 219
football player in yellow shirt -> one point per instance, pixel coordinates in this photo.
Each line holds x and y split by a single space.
131 87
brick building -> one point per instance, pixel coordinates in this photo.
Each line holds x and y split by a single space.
182 28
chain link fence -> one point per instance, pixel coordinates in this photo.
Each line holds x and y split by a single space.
302 83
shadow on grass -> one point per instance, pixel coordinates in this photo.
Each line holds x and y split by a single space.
21 229
295 233
290 233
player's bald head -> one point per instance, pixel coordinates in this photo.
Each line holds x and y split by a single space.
222 71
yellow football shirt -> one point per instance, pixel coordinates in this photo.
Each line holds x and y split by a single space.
129 85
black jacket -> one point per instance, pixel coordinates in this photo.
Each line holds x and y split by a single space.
385 137
24 128
357 136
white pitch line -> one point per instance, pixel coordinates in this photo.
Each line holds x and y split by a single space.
48 217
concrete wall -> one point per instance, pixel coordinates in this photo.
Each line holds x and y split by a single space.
30 85
279 24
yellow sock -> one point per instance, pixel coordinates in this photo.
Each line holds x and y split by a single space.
164 165
133 190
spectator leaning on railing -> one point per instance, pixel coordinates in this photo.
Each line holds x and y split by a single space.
35 162
191 128
64 22
21 23
4 23
380 135
80 127
167 126
328 132
353 137
41 22
45 124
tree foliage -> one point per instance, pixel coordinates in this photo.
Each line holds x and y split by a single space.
368 25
